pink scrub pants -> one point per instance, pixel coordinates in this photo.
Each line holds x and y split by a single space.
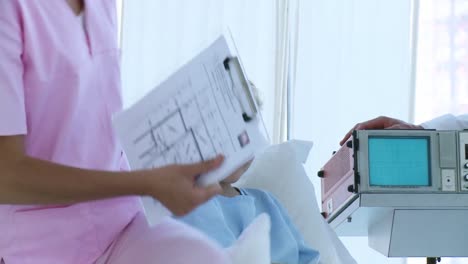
168 242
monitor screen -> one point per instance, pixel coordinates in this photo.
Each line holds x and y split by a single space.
399 161
466 151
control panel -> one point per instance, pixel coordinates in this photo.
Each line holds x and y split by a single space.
463 154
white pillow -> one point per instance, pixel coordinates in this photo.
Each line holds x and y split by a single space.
280 170
253 245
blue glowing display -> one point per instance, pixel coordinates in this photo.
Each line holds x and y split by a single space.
399 161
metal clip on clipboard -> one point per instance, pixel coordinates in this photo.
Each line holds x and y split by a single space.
246 99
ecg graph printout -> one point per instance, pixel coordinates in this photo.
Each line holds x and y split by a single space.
192 116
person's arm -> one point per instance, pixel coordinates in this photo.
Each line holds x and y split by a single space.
447 122
381 122
26 180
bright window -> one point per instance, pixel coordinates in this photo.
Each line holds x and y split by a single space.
442 67
442 64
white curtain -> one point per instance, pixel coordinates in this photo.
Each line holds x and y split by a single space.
286 58
160 35
353 63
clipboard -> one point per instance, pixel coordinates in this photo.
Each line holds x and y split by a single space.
244 95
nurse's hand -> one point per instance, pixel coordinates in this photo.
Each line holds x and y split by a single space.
175 185
381 122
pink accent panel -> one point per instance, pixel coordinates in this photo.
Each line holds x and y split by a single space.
338 175
339 195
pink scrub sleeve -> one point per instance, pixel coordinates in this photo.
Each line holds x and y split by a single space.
12 109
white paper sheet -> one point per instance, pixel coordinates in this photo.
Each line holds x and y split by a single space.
193 116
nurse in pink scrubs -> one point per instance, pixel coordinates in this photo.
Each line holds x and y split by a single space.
65 194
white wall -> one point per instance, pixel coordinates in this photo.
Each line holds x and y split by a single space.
353 65
160 35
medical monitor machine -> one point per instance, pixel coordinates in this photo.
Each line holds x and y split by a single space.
407 190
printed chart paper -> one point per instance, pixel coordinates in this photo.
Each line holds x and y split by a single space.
197 113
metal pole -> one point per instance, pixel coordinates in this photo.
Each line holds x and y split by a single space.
433 260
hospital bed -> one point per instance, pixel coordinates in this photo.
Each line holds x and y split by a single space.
291 185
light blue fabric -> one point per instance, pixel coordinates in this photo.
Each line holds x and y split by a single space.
224 219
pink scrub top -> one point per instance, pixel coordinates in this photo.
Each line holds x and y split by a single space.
59 86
